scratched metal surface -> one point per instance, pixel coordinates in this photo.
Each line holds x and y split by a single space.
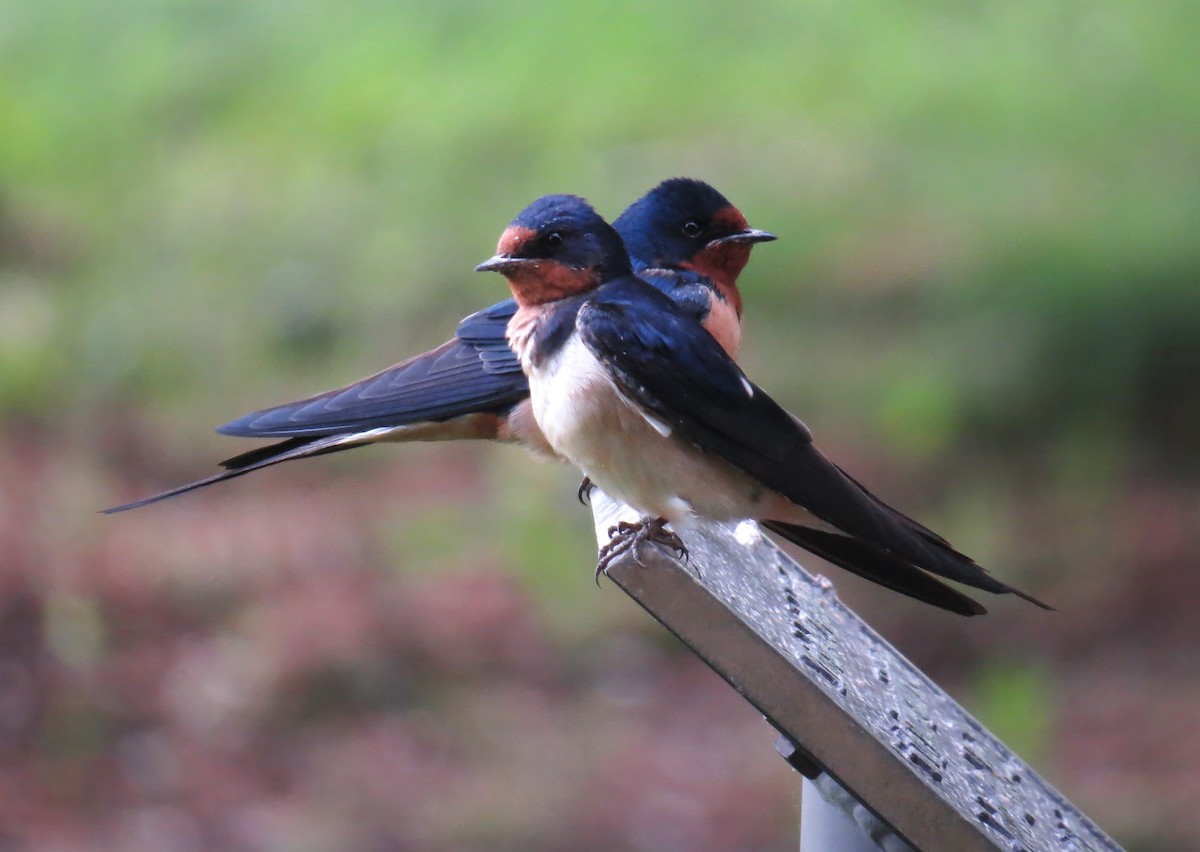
870 719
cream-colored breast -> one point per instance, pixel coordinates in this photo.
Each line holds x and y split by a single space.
577 405
629 453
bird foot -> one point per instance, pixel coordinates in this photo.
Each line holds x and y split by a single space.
626 536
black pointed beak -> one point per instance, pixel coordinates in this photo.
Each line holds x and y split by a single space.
502 263
750 235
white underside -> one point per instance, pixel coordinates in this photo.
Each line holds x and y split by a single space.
631 455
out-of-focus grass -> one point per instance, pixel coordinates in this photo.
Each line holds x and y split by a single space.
316 179
1016 704
984 299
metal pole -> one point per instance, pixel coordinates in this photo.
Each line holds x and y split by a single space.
831 820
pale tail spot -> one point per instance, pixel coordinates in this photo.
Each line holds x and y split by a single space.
658 426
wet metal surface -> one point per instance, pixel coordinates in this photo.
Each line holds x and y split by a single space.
848 702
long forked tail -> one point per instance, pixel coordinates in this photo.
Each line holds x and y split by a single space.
257 459
884 568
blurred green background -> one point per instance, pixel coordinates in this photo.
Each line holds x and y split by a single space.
985 301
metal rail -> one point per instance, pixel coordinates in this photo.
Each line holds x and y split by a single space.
880 742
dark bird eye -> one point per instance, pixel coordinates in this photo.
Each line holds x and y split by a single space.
691 228
554 240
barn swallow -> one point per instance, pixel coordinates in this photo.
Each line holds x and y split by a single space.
691 242
625 385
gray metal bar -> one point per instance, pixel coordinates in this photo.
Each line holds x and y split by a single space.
857 709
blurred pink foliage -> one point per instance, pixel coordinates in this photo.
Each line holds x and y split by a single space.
245 674
234 671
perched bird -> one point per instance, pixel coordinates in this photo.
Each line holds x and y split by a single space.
691 242
625 385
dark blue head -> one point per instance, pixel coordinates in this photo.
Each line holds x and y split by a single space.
686 224
557 246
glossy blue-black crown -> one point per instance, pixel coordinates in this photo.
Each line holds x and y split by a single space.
569 231
653 226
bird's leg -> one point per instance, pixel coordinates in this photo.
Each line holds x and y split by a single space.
585 491
626 536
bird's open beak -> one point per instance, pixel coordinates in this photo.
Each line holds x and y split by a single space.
503 264
750 235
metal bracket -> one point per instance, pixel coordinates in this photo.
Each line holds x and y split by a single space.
850 707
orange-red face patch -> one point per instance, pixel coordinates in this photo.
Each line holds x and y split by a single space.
513 240
548 281
730 219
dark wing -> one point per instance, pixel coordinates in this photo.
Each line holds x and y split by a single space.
667 364
463 387
475 372
878 566
485 330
